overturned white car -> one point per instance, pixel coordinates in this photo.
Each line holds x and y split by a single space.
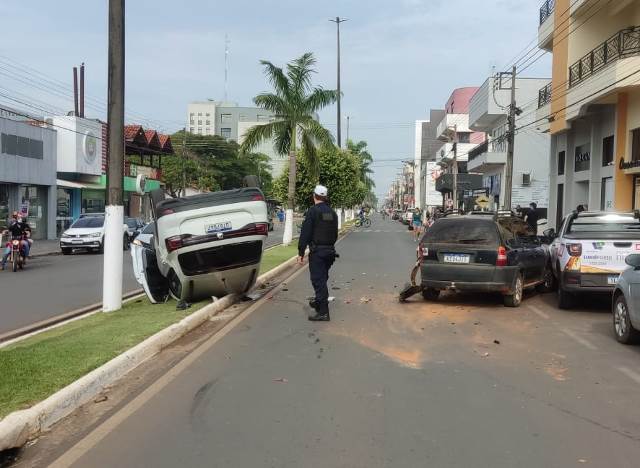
203 245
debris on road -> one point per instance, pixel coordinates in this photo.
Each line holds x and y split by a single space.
485 355
365 300
280 380
100 398
496 341
347 301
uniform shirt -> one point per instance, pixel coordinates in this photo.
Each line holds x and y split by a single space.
532 219
314 227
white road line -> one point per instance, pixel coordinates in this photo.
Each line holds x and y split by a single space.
579 339
377 230
538 312
633 375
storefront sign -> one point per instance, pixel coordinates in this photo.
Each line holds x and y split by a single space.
582 158
629 164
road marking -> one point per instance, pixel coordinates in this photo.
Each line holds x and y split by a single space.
83 446
633 375
538 312
579 339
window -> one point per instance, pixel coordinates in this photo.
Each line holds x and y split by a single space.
22 146
225 118
207 115
191 121
191 129
582 158
192 115
561 158
199 131
199 122
607 151
225 133
208 122
464 137
635 145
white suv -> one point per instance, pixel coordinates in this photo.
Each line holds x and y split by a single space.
588 254
87 232
204 245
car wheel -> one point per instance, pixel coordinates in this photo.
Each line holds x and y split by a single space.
515 299
622 327
565 298
430 294
548 281
66 251
100 249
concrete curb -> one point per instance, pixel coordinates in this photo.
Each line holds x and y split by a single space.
20 426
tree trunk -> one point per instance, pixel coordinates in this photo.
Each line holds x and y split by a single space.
291 200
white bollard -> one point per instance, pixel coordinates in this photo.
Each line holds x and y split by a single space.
113 258
339 213
287 237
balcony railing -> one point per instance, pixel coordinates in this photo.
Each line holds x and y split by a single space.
544 96
546 10
625 43
478 150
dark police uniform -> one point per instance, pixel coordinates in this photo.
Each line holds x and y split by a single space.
319 233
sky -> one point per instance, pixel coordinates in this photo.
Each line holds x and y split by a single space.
399 57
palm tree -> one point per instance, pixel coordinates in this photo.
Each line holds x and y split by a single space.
295 103
362 153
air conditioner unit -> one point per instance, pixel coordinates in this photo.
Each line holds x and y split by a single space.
526 179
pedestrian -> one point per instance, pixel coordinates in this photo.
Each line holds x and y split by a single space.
532 218
519 211
319 233
416 220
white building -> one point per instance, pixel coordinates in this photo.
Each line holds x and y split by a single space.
488 113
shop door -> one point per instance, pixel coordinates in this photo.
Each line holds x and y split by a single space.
33 204
64 215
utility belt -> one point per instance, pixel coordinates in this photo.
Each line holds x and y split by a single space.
323 247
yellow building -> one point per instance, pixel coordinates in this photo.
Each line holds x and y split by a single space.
592 107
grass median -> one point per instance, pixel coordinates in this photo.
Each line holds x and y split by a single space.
35 368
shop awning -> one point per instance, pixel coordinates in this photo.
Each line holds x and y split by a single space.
80 185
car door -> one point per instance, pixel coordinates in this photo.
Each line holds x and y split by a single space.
147 273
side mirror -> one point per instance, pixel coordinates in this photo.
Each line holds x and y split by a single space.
633 261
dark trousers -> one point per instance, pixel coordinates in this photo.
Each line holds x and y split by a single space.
320 261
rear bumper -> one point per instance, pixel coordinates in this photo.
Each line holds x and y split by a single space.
469 277
587 282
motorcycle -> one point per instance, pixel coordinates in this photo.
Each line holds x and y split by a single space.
16 259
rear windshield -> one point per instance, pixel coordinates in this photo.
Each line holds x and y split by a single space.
462 231
89 222
605 224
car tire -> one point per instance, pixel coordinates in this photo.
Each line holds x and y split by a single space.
622 327
100 250
430 294
549 283
66 251
566 300
515 299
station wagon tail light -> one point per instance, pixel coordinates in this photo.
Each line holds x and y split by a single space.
575 250
174 242
167 211
502 256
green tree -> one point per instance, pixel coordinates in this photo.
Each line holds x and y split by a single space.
362 153
295 102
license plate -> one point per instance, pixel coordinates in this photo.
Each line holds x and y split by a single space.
76 241
456 258
219 227
612 279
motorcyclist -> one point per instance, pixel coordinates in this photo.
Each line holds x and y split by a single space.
17 228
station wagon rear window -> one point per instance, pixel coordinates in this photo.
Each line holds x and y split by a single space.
462 231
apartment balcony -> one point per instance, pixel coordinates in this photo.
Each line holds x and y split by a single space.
466 182
484 112
547 23
445 156
487 157
445 129
611 66
544 109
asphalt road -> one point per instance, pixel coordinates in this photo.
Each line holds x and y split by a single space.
53 285
464 382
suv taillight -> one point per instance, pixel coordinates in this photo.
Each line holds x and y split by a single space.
262 229
173 243
575 250
502 256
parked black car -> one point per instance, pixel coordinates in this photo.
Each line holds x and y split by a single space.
483 253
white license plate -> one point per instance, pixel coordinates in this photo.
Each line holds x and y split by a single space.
456 258
76 241
219 227
612 279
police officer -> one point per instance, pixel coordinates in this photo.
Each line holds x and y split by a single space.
319 233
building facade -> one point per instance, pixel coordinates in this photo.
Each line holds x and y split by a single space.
28 175
230 121
426 170
592 106
488 110
458 139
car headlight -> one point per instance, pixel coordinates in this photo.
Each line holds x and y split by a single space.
64 234
96 234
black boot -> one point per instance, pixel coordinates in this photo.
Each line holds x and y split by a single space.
321 315
313 304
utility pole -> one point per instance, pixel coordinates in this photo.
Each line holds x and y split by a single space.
114 212
226 68
348 121
508 186
455 167
339 20
184 162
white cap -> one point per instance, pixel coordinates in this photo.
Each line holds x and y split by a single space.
320 190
